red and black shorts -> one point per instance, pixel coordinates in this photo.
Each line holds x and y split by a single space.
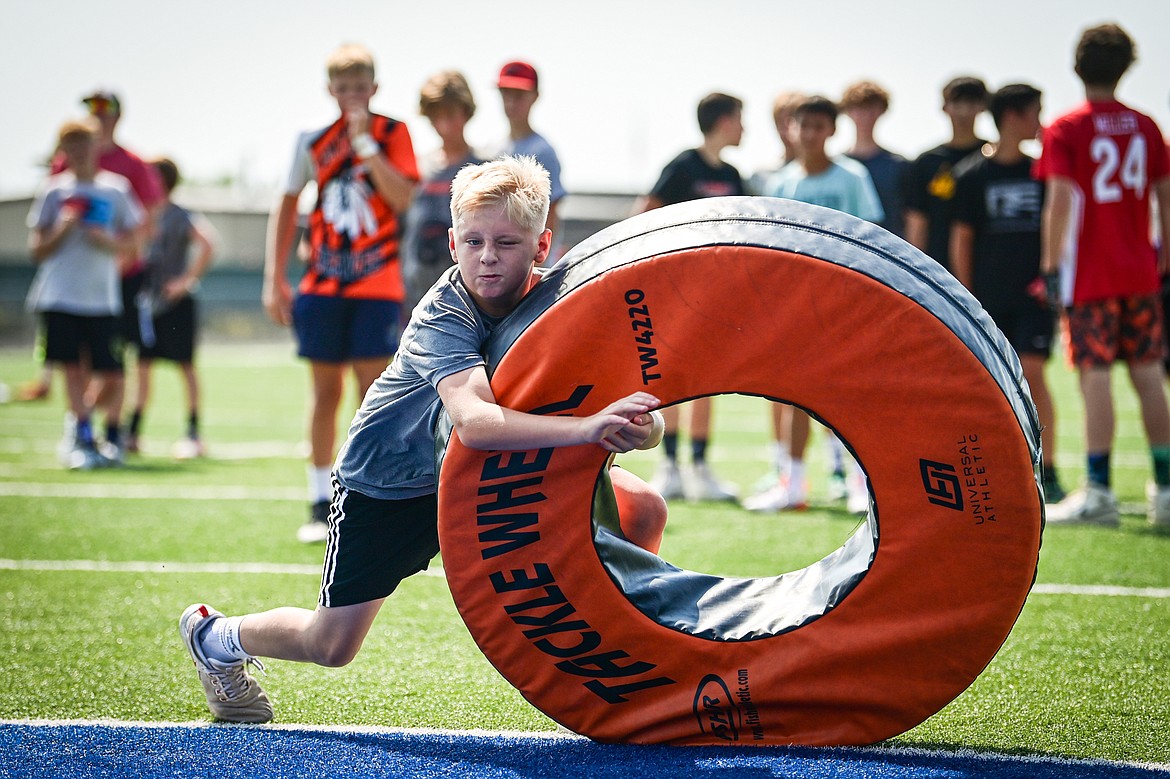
1102 332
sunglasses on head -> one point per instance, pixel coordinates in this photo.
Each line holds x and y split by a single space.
101 106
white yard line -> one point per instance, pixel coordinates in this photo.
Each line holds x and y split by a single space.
1101 589
141 566
12 489
242 450
137 566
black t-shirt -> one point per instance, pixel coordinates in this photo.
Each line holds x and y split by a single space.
930 188
1002 203
689 177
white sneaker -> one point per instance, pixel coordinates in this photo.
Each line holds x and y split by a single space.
778 497
701 484
68 440
188 448
233 695
775 473
84 457
1090 505
316 530
1158 505
113 454
667 481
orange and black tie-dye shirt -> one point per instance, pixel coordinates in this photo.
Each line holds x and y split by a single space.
353 233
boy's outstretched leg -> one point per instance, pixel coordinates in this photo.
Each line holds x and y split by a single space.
233 694
222 647
641 510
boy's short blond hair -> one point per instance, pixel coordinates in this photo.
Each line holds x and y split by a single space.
864 93
84 128
446 88
519 184
350 58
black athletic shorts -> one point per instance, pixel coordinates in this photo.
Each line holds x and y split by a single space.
72 338
1029 328
374 544
128 320
174 334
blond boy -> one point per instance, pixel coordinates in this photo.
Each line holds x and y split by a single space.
383 519
346 310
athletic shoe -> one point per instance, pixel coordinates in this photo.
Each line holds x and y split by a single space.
233 695
68 440
188 448
316 530
778 497
1053 492
667 481
701 484
113 454
1090 505
1158 505
34 390
84 456
838 489
775 473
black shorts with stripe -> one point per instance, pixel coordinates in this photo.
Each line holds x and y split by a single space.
174 334
374 544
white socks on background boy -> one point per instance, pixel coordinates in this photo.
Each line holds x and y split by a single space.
781 458
320 484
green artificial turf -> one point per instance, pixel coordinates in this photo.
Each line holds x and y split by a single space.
1080 675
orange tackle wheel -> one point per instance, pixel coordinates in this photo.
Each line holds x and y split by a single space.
794 303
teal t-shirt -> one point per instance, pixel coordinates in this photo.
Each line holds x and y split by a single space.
843 186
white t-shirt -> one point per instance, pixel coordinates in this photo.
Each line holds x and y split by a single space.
80 278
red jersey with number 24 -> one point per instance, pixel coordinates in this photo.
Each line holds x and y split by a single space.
1112 154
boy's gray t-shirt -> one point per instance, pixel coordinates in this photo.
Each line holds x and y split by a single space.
168 257
390 450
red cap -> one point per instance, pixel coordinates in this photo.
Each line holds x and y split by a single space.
518 75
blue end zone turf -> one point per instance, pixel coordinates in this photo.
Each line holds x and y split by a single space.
129 751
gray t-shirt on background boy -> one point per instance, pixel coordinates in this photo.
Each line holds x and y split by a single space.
169 255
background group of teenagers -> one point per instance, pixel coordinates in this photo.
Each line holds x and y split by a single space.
452 245
1063 238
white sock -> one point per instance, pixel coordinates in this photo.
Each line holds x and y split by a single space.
781 457
221 640
796 473
320 484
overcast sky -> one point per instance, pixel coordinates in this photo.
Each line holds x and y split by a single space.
224 87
